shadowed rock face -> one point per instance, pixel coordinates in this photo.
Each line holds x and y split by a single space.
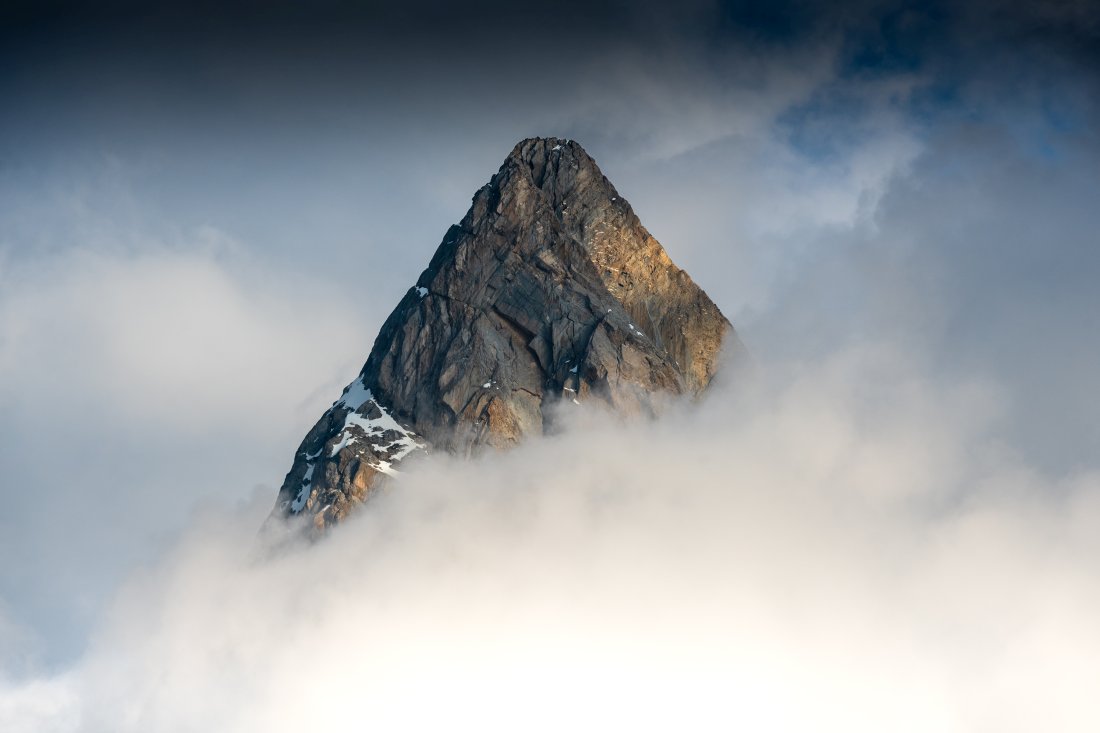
548 290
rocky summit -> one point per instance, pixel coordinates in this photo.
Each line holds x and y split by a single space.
549 291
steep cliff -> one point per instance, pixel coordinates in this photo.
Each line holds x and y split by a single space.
549 289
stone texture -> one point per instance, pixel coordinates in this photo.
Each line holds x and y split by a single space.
549 289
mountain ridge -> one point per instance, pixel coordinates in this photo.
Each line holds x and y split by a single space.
548 289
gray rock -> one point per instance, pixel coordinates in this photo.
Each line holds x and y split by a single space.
549 289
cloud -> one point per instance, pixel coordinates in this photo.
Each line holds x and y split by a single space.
844 548
138 379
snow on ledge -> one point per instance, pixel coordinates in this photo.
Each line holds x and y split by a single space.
356 395
354 398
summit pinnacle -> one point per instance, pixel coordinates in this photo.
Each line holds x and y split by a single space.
548 290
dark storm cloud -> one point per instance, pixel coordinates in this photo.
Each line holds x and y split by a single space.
132 70
881 36
137 66
132 74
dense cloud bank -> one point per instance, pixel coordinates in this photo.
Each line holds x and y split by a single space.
842 549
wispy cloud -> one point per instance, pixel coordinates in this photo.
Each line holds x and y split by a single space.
844 549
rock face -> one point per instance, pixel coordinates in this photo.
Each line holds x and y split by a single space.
549 289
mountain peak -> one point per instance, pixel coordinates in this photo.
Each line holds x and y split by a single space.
530 148
535 149
557 166
549 290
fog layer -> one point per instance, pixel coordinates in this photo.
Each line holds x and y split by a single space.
843 549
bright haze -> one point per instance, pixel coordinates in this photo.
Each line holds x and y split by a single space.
208 209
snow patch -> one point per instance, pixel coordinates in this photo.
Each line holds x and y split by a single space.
373 427
303 493
422 292
355 396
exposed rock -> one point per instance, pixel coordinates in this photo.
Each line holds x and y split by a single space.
549 289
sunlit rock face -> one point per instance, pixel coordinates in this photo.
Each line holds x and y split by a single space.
548 291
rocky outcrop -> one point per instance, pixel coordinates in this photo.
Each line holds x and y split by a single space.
549 290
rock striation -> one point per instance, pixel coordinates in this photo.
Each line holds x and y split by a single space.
549 290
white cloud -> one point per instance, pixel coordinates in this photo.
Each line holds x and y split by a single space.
138 382
843 550
169 337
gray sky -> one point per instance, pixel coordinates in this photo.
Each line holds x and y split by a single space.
205 215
